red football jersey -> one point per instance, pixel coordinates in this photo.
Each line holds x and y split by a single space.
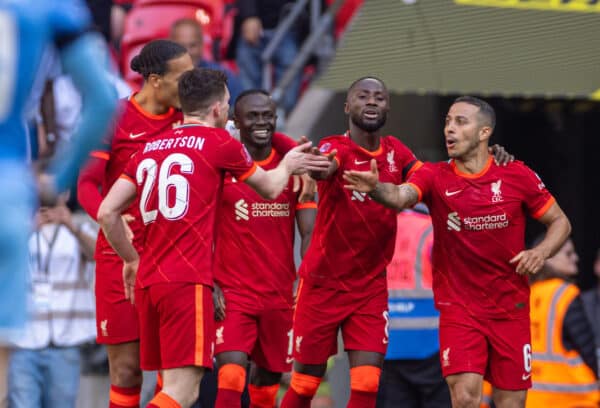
132 130
479 225
179 177
254 253
353 239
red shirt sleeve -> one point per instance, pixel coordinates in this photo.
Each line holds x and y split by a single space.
282 143
328 144
422 180
537 198
234 158
90 182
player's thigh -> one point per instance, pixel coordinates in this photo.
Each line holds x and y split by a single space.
116 318
366 328
273 349
186 321
463 345
237 332
149 321
317 316
509 365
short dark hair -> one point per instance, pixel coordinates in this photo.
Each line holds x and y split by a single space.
249 92
200 88
353 84
183 22
155 55
485 109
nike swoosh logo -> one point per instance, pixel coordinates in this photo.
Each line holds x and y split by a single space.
289 360
360 162
525 377
451 193
136 135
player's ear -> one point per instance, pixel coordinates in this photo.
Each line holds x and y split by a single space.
346 108
154 80
485 133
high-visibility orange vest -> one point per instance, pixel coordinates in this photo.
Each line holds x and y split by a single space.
486 395
560 377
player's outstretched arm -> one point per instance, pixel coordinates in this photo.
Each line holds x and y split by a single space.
99 104
270 184
558 230
391 195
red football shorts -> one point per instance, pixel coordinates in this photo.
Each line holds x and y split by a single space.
264 334
116 317
320 312
176 325
498 349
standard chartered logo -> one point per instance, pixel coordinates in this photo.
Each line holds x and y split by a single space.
241 210
479 223
453 222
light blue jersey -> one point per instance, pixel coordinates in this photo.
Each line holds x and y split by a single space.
27 28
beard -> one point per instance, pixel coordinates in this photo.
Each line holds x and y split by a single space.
369 126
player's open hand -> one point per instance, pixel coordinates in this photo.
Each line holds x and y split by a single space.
529 262
501 156
219 303
362 181
299 162
129 274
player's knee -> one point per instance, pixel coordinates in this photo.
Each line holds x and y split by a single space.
464 397
304 384
232 377
125 373
365 378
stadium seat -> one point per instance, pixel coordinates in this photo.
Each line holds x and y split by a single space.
152 19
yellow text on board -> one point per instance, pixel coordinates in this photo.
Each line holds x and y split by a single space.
584 6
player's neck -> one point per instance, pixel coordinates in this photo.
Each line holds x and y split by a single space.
145 100
473 162
366 140
258 153
197 120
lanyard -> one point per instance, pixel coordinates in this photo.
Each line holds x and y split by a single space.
51 243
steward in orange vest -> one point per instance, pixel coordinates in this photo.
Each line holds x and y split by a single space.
564 366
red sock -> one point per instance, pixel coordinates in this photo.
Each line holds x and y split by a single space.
231 382
364 382
124 397
362 399
292 399
263 397
162 400
159 383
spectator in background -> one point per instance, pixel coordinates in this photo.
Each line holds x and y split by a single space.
591 304
564 366
188 33
258 21
44 367
412 375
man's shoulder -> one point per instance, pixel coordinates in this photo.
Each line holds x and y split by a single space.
334 140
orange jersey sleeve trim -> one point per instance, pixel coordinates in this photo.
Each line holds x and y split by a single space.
124 400
540 213
419 192
199 346
100 155
126 177
416 166
304 206
247 174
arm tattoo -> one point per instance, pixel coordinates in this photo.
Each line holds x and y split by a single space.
394 196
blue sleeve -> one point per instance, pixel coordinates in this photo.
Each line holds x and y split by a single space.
68 19
99 103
